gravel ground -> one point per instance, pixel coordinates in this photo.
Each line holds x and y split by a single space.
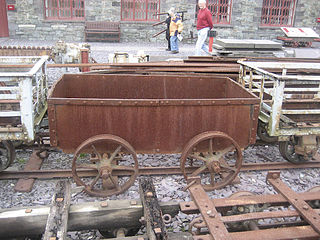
168 187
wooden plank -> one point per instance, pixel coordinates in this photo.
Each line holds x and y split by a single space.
152 212
57 222
34 163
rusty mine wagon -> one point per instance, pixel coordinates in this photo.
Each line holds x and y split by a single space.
106 120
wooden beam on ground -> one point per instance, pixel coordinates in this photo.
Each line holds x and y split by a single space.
57 222
26 221
34 163
155 226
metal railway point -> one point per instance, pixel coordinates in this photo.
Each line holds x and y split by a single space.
243 215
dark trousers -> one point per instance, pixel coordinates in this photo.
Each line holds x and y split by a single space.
168 39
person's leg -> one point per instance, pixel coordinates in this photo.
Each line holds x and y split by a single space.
173 42
168 39
198 45
177 43
204 46
202 36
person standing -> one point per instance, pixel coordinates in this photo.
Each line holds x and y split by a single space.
204 24
176 27
168 21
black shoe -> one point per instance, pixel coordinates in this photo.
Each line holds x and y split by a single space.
174 52
168 49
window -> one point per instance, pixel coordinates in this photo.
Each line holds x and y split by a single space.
278 12
64 9
140 10
220 10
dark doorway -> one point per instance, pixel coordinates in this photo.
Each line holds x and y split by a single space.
4 31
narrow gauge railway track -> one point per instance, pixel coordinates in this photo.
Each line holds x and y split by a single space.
67 173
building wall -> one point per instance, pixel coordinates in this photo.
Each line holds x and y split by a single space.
27 21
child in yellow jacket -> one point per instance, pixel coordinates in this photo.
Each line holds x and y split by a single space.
176 27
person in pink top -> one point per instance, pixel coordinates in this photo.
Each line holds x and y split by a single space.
204 24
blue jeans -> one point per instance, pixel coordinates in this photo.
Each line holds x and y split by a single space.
174 43
200 45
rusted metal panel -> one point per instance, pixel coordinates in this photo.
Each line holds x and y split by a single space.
155 114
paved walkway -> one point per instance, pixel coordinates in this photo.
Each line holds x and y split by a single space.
156 51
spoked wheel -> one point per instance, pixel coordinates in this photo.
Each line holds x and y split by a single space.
263 134
106 154
287 151
7 154
216 157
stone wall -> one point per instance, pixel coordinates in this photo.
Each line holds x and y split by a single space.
28 22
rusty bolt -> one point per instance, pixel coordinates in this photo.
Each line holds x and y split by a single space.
142 220
135 103
104 204
59 200
157 230
149 194
274 175
182 102
101 102
213 102
133 202
241 209
28 210
158 150
305 207
120 102
209 212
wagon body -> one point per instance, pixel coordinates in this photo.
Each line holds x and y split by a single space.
155 114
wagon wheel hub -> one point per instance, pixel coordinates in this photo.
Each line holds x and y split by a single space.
214 166
106 149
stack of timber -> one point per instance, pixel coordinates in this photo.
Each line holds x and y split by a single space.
221 66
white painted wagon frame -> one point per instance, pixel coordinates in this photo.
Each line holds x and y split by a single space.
23 97
286 87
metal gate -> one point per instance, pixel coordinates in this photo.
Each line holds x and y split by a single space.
4 31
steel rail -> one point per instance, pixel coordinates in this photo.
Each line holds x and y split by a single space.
66 173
